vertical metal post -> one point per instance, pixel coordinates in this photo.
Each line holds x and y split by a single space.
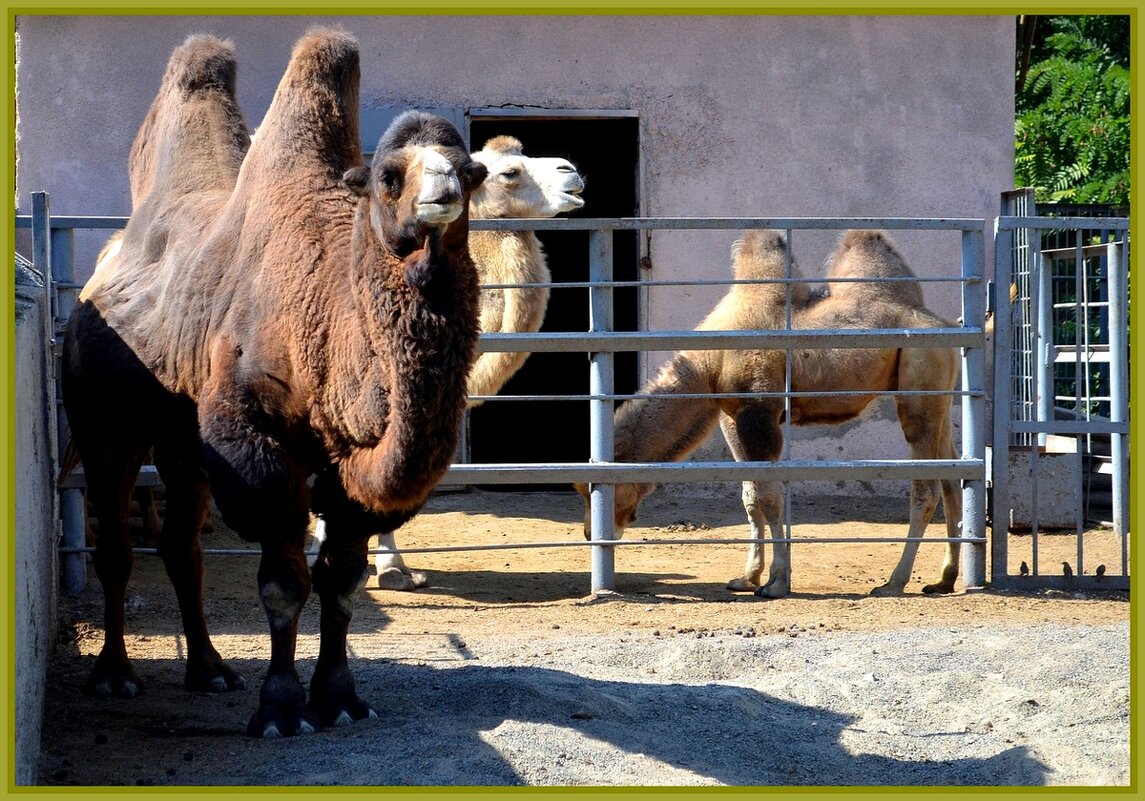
1119 388
973 411
1043 301
602 496
69 509
1001 386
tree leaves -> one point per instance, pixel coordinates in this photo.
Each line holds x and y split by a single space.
1071 128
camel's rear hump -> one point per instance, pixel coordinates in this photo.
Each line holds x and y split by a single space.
871 254
194 136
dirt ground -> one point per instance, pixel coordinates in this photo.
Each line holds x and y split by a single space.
535 602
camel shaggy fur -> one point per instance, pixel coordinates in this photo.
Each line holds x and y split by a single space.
298 343
666 428
517 186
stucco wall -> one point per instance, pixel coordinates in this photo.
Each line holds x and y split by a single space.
894 116
35 590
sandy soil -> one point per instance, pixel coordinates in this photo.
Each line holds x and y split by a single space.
506 670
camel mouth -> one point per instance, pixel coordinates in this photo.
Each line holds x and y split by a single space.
438 213
571 199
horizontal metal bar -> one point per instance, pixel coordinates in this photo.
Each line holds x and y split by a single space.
1058 223
728 223
619 341
635 223
1068 427
726 282
74 221
518 112
580 544
148 477
1072 584
683 472
890 393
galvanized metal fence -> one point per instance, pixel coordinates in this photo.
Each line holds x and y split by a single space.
602 342
1076 315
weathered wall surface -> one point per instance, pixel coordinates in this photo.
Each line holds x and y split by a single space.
35 589
874 116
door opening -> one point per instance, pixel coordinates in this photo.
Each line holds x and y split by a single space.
605 151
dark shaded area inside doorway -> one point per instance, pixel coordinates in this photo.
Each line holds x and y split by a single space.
605 151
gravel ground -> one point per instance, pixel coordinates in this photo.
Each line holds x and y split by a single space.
986 705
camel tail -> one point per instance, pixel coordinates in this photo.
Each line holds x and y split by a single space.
760 254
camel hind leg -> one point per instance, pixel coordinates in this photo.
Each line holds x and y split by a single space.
188 499
926 424
110 480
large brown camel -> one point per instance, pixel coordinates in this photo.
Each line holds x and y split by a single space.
314 325
517 186
667 428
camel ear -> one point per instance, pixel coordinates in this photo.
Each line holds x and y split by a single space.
357 179
473 174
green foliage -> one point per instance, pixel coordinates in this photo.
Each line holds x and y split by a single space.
1072 114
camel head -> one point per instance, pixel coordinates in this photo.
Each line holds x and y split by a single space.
628 498
420 180
522 186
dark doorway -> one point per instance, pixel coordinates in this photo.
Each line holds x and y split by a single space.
605 150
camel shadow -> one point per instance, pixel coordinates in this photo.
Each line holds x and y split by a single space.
470 725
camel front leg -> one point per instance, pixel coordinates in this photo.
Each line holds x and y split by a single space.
754 434
764 513
769 506
339 575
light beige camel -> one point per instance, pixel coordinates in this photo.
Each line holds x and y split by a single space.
517 186
667 428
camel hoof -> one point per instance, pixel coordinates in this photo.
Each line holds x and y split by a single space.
281 720
741 585
938 589
887 591
112 679
773 590
393 579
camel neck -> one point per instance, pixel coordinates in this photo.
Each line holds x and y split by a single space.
665 426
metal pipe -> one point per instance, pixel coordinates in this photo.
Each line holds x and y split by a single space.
1043 311
964 469
1002 413
622 341
973 412
1119 390
601 381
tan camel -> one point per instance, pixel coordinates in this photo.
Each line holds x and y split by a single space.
666 428
318 321
517 186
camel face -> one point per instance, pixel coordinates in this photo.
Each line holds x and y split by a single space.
520 186
420 180
628 498
425 187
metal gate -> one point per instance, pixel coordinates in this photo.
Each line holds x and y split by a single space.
1061 400
601 342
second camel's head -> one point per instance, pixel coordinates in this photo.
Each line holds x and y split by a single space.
524 186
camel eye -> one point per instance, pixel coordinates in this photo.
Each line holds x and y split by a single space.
391 180
511 174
